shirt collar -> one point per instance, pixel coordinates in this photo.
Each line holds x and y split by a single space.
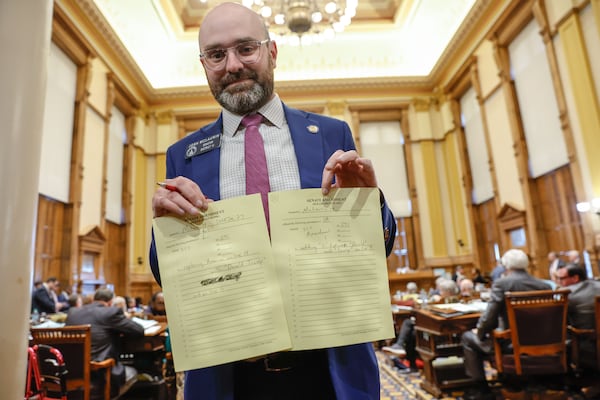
272 112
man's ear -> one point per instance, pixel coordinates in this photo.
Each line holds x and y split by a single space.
273 52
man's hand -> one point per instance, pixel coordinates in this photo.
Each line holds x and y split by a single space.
183 197
349 170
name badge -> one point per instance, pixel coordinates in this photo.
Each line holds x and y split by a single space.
202 146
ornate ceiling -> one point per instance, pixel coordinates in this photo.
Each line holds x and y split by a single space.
387 39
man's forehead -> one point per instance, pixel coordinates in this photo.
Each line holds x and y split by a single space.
225 25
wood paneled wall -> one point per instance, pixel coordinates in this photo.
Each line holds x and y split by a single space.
115 261
52 241
487 234
554 203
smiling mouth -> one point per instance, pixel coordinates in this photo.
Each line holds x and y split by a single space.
239 86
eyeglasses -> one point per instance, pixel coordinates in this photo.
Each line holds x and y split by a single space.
247 52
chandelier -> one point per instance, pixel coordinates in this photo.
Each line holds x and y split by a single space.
304 21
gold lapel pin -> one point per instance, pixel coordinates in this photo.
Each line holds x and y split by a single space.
312 128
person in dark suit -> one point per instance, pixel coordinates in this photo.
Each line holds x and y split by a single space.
302 150
107 324
477 344
581 312
42 299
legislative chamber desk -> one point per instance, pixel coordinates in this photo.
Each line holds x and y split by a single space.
439 345
148 356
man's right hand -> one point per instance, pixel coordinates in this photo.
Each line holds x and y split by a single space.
187 198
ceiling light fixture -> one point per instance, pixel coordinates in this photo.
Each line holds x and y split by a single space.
587 206
304 21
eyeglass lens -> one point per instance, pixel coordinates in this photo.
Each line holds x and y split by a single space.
247 52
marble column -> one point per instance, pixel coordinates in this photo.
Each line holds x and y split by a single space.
25 34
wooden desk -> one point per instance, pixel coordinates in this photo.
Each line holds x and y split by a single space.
145 354
437 337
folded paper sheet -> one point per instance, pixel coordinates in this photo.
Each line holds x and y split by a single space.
231 294
330 257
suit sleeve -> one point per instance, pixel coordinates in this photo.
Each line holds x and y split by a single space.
389 225
43 301
120 323
489 319
153 258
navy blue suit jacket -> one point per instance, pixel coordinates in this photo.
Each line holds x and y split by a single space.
353 369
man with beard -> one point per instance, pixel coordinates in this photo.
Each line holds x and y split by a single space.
302 150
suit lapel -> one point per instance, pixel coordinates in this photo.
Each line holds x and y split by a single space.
308 146
204 168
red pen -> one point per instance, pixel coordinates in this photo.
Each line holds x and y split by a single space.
168 187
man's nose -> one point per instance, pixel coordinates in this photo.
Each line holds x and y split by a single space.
233 63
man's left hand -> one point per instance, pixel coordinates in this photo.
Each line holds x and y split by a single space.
349 170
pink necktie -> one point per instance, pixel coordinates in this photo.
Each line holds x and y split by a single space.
257 174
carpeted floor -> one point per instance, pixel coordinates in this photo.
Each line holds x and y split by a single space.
396 386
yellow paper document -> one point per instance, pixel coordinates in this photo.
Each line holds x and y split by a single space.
233 294
330 257
220 286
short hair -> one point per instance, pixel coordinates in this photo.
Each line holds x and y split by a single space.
73 299
103 295
52 279
466 284
515 259
574 269
119 300
449 287
155 295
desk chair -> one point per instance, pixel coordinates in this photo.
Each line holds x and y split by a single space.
589 359
75 345
538 332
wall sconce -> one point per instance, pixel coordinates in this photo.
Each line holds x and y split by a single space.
586 206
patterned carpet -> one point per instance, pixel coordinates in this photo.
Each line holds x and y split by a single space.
396 386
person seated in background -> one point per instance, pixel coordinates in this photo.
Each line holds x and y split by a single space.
448 292
133 307
406 342
477 343
435 291
157 305
581 311
467 289
119 301
87 299
75 300
412 292
108 324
